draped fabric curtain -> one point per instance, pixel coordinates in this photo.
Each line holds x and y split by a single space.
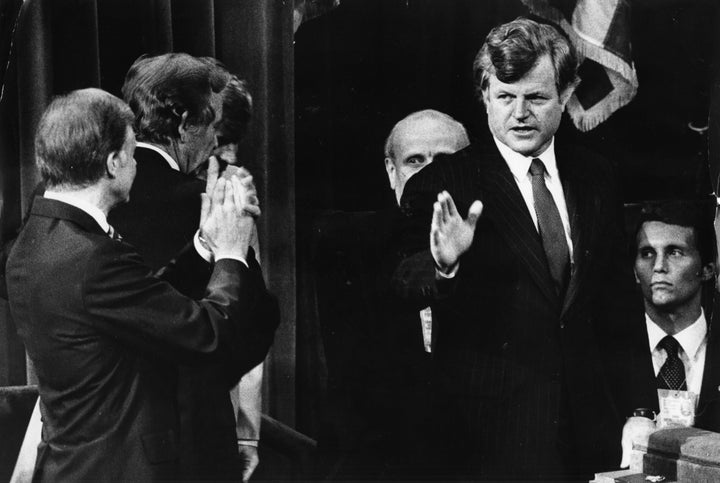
61 45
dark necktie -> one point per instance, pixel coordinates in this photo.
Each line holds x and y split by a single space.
672 373
550 227
113 234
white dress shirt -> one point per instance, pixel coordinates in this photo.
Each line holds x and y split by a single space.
169 159
693 344
89 208
520 168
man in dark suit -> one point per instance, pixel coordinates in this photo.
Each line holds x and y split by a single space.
377 353
677 348
527 289
104 334
177 100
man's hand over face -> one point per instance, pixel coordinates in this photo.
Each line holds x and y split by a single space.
227 227
245 192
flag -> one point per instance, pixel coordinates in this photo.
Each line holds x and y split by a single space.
309 9
600 31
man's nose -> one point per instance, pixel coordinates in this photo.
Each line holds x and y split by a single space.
520 110
660 264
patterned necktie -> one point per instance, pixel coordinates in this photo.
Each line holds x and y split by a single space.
672 373
113 234
550 227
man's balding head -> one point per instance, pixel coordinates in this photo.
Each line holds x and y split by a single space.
414 142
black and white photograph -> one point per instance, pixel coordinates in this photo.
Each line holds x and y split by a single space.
359 240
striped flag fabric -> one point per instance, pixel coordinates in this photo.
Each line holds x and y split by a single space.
600 31
309 9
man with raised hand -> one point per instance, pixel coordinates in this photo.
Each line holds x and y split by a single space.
528 289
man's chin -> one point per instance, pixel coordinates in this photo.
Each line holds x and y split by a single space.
524 146
663 301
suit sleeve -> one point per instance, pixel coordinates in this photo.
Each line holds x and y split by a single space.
188 272
233 324
413 278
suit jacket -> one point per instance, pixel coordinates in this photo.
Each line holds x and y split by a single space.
522 389
163 213
105 337
161 217
378 371
639 384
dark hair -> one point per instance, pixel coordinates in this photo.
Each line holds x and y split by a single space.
511 50
237 110
160 89
77 133
696 214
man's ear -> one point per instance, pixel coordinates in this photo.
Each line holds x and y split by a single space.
637 280
112 165
707 272
567 93
485 98
390 168
183 127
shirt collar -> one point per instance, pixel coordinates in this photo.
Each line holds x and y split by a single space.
520 165
173 164
80 204
690 338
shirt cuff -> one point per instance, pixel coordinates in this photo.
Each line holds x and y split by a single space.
441 275
248 442
202 250
205 252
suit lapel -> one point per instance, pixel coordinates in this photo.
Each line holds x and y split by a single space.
506 208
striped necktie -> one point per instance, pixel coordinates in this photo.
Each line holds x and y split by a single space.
551 228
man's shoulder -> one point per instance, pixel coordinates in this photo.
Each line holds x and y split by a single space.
70 239
579 154
470 154
457 166
155 176
582 166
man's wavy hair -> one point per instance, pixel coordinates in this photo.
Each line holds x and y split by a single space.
512 50
237 111
160 89
77 133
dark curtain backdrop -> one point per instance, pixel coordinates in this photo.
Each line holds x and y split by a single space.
60 45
